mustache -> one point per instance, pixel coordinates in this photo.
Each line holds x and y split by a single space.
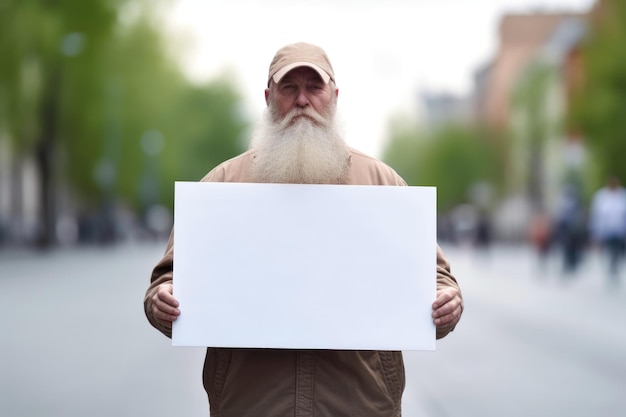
308 112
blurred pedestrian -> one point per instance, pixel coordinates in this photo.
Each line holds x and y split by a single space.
607 223
540 235
483 233
299 142
570 228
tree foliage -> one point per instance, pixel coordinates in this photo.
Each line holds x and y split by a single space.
454 158
38 40
94 97
599 109
535 125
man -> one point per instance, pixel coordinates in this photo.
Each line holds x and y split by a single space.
570 228
607 222
298 142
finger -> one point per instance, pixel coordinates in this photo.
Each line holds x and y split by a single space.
443 296
448 307
448 318
167 298
164 316
165 293
161 306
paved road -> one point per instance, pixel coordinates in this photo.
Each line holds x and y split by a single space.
531 343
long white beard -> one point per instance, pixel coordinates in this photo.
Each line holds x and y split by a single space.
299 150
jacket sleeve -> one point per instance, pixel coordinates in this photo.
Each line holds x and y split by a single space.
162 273
445 279
164 270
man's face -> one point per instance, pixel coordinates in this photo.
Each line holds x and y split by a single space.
301 88
298 140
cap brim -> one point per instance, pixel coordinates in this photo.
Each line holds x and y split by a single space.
283 71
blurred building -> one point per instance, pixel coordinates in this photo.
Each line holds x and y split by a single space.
19 208
445 108
524 93
521 37
546 154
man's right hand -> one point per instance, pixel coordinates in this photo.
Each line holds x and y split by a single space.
164 305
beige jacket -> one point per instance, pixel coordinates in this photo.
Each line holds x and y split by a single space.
277 383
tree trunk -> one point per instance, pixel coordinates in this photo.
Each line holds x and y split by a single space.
16 232
535 179
46 160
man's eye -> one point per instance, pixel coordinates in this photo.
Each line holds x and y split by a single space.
288 87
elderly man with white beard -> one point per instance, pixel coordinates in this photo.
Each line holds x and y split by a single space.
299 142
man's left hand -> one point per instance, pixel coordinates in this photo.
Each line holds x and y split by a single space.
448 307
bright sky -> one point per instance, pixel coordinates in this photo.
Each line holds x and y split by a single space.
384 52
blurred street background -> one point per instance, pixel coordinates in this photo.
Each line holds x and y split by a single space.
532 341
514 109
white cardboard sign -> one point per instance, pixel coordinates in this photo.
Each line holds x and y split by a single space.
304 266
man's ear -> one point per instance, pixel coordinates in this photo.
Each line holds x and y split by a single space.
267 96
336 92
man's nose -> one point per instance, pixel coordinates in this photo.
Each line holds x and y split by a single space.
302 99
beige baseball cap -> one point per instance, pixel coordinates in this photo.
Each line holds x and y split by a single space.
300 54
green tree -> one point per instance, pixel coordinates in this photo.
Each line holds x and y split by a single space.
530 100
455 159
156 126
39 38
211 121
599 108
93 92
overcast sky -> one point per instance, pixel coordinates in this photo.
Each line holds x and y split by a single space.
384 52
